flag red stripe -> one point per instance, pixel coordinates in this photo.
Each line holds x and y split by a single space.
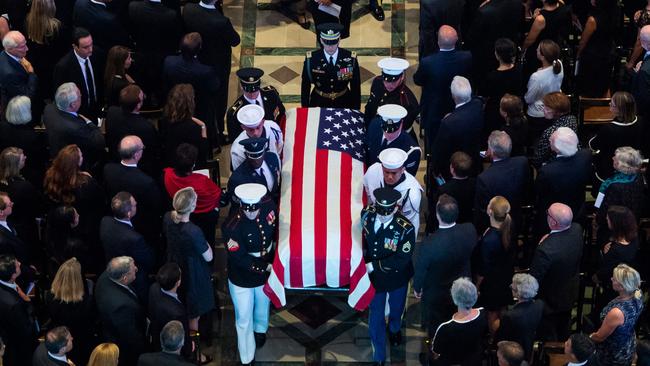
365 299
278 269
295 231
345 225
320 216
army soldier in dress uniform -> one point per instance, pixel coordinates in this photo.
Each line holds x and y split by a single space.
251 117
390 172
389 88
261 166
389 132
249 239
390 240
267 97
334 72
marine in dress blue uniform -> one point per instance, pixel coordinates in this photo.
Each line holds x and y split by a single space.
267 97
334 72
389 88
390 240
249 237
261 166
390 133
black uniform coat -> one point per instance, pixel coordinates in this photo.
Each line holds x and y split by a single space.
273 109
246 174
344 75
244 236
402 95
375 145
389 250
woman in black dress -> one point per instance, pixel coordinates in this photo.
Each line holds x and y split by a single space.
118 63
511 109
506 79
179 125
557 110
69 303
496 265
595 56
187 247
460 339
621 248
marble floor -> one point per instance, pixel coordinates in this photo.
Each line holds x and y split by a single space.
314 328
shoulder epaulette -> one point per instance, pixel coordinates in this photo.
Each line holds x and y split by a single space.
308 54
354 54
238 104
269 88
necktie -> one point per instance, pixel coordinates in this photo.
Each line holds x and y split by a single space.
331 61
384 144
257 102
90 83
266 183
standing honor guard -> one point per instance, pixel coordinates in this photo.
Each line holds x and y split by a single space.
390 240
251 117
266 97
390 88
389 132
249 239
390 172
334 72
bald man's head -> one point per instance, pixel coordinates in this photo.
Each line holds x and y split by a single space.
129 148
560 216
15 44
644 37
447 37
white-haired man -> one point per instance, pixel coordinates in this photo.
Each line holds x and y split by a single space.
563 179
460 130
65 126
17 75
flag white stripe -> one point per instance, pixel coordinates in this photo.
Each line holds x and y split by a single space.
333 219
284 219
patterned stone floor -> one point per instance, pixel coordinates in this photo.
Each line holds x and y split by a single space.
314 328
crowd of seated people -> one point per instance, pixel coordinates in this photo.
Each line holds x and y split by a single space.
98 197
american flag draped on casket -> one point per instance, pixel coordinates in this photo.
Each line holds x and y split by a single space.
320 203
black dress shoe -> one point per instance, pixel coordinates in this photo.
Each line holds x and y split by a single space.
377 12
260 339
395 338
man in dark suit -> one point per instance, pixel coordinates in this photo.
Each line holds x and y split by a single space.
218 37
556 266
461 186
122 317
80 67
460 130
434 75
172 339
563 179
186 68
10 243
267 97
507 176
641 78
119 238
102 22
261 166
494 19
65 126
442 258
18 326
52 352
156 30
435 14
580 349
333 70
17 75
126 120
165 306
126 176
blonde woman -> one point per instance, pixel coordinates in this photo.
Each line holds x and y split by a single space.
106 354
615 339
187 247
70 304
496 266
